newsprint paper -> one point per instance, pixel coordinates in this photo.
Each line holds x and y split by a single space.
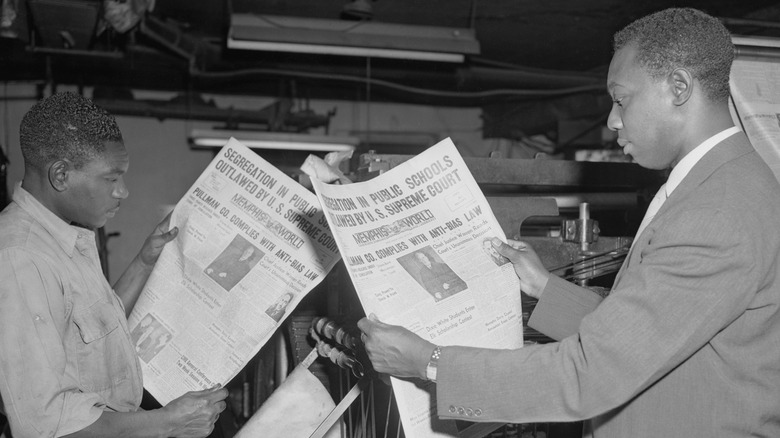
755 95
416 242
252 243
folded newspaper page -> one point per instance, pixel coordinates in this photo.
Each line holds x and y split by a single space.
755 103
252 243
416 242
295 409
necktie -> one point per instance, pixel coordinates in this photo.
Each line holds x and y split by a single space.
652 209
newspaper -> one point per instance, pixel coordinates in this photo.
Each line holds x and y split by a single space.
416 243
252 243
755 92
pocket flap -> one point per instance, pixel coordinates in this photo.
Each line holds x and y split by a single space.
96 321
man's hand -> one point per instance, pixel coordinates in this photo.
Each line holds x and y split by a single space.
153 245
532 274
194 413
190 416
393 349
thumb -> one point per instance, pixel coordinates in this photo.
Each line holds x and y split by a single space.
517 244
509 250
367 324
170 234
376 321
502 248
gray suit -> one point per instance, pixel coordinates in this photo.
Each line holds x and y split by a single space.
687 344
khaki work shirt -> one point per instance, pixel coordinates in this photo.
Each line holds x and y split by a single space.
65 349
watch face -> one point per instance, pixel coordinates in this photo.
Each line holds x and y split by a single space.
430 372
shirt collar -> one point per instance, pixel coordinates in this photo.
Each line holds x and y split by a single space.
64 234
686 164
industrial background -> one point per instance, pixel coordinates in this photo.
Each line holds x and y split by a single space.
519 85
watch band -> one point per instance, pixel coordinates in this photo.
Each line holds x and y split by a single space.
433 364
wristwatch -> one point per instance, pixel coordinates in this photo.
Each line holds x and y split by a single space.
430 370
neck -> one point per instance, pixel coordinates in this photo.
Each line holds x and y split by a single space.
32 182
703 122
38 187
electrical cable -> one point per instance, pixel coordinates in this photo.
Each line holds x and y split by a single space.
401 87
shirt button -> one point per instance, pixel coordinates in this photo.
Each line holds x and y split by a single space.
478 412
469 412
452 409
461 410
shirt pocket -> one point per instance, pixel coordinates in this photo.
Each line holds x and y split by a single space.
101 353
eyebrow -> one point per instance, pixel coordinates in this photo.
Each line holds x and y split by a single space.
612 85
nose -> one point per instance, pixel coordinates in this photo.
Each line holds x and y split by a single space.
614 121
120 190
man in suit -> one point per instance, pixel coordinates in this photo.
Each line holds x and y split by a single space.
278 309
686 344
437 278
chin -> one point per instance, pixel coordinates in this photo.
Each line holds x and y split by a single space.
653 166
98 224
643 163
92 227
91 222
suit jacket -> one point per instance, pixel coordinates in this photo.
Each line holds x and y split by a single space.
686 345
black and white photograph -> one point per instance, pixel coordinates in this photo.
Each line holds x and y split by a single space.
432 273
234 262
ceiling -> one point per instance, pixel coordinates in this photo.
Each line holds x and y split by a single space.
531 50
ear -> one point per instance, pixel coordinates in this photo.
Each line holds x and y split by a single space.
58 175
682 86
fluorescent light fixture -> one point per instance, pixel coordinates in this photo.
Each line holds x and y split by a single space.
350 38
756 46
345 51
216 138
756 41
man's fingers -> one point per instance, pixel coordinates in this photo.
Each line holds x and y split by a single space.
505 249
170 234
215 394
219 394
513 244
517 244
515 250
364 325
207 391
368 324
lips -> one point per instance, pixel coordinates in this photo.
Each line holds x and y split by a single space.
622 142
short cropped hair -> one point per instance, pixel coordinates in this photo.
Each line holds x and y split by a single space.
687 38
66 126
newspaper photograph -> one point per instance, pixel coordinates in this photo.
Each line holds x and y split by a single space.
416 243
252 243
